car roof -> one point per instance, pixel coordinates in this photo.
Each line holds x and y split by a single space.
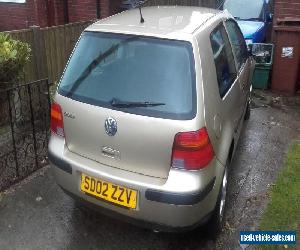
160 21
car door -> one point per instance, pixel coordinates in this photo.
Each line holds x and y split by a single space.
243 63
222 105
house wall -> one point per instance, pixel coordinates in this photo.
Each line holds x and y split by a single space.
22 15
114 7
82 10
51 12
56 12
13 16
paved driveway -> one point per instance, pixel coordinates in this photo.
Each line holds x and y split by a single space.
36 214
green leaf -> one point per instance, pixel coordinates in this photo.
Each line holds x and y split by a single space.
14 55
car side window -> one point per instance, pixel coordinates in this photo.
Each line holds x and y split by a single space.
224 60
238 42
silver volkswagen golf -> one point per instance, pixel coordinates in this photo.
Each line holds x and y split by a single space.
148 114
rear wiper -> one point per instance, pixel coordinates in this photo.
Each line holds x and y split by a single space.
125 104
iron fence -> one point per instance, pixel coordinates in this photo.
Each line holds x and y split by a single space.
24 130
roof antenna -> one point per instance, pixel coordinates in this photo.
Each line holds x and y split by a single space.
142 19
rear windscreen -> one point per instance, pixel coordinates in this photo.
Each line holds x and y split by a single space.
135 69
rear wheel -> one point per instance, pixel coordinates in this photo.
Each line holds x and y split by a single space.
216 222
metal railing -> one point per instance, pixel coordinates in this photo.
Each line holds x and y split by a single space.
24 130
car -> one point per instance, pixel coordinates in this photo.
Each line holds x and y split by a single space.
131 4
147 116
253 16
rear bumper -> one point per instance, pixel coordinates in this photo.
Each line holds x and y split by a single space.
181 201
138 222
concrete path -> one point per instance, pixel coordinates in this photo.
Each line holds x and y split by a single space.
36 214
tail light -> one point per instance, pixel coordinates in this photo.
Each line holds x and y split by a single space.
57 123
192 150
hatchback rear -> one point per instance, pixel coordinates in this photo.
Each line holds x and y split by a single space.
137 82
128 127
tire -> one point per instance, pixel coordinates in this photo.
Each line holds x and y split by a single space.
216 222
248 112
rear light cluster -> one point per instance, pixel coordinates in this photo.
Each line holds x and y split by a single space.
57 123
192 150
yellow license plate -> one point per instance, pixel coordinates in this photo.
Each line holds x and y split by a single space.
108 191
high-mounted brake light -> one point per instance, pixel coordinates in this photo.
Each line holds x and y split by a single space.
192 150
57 123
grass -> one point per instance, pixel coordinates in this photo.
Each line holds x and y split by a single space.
283 211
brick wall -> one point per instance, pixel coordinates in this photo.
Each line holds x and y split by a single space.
104 8
22 15
39 12
51 12
56 13
13 16
115 6
82 10
16 16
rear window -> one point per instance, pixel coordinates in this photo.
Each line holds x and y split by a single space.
135 69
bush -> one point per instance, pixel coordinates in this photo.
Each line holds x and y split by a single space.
13 57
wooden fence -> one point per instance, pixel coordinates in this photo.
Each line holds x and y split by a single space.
51 48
